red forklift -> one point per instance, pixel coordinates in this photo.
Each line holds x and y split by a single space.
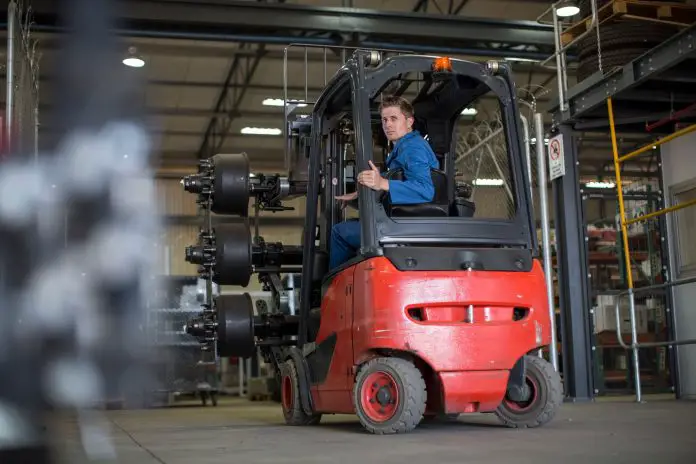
442 312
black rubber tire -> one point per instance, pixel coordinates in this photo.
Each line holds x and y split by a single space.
233 254
231 184
293 412
621 41
625 34
235 325
411 390
545 403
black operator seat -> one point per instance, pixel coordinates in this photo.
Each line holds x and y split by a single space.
438 207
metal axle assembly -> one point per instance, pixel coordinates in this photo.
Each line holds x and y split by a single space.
228 254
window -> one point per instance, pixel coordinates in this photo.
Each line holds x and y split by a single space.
483 160
684 221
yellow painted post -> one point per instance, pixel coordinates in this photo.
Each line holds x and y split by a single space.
619 188
661 212
657 143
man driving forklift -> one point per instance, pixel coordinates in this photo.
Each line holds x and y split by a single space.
412 153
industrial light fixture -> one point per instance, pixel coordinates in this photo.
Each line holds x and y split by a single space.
281 102
567 8
261 131
488 182
133 60
469 112
600 185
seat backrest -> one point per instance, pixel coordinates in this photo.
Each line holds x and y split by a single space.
438 207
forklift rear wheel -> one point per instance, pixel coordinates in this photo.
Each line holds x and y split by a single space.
390 396
290 397
545 397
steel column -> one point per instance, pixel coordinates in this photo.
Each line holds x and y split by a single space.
573 277
667 275
545 234
11 20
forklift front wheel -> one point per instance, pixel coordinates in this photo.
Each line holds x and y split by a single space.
544 399
290 397
390 396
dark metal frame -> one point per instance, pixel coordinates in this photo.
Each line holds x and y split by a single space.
517 232
667 274
278 23
665 65
258 22
377 229
641 86
226 109
573 289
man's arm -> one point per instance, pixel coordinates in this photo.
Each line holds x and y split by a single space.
418 186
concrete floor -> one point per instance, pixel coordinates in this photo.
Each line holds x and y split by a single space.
608 431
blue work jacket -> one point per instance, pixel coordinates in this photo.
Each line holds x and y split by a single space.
413 154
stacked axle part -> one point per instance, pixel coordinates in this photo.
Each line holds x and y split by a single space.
227 254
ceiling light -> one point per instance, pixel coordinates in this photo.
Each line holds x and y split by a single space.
566 9
470 111
488 182
133 60
281 102
261 131
599 185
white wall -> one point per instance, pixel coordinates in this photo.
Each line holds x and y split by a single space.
679 166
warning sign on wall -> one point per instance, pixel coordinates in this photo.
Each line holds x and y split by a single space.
556 158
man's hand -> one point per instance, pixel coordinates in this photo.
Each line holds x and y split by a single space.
373 179
346 198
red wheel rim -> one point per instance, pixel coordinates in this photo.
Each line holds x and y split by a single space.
379 396
523 406
286 393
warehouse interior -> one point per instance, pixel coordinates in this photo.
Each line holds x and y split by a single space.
611 218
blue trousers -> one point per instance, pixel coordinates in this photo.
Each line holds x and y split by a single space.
345 242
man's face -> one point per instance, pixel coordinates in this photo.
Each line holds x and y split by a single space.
395 124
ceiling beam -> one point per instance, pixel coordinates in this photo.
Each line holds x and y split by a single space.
271 89
281 23
196 112
299 54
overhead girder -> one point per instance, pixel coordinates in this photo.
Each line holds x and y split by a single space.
258 22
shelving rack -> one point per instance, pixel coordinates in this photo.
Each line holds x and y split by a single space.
644 89
177 364
607 264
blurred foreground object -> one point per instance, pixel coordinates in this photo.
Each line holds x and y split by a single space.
77 223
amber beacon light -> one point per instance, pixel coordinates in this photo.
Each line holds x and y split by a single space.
442 64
